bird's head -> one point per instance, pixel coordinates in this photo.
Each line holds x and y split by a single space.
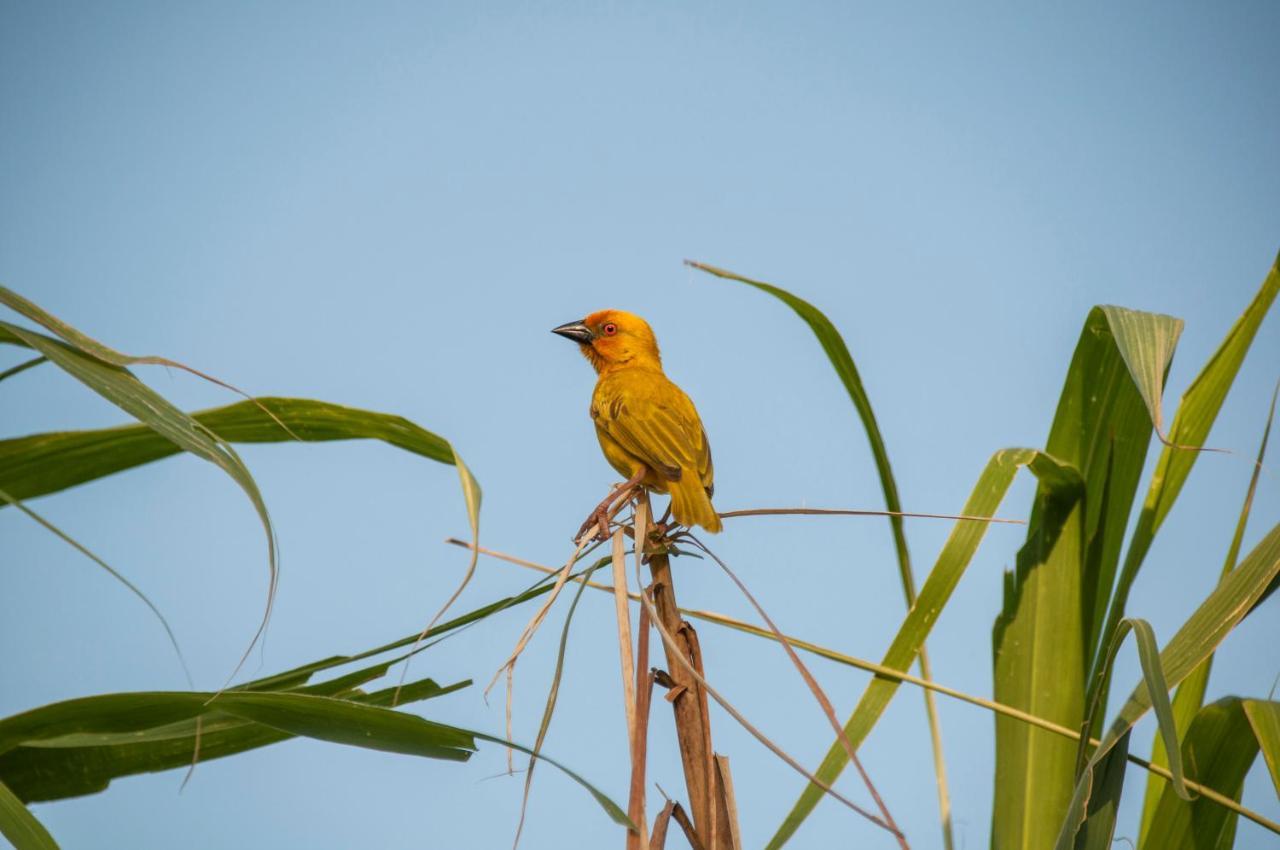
613 338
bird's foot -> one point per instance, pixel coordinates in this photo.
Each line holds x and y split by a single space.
603 514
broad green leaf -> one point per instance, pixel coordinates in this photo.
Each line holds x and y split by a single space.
842 361
20 826
1218 749
1054 600
312 716
1146 342
1099 814
1190 694
1191 424
1057 479
46 463
85 763
1264 717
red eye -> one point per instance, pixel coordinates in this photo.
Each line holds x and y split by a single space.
609 329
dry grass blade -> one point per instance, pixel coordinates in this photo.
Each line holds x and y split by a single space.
674 652
549 709
891 673
640 743
842 512
659 839
815 688
622 609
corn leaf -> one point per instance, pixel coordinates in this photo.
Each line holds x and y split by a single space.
20 826
1264 717
1219 748
1091 818
1054 599
1195 416
119 386
842 361
46 463
1199 636
1057 479
85 763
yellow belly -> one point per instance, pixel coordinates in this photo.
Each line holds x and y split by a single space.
626 463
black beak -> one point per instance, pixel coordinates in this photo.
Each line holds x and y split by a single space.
576 331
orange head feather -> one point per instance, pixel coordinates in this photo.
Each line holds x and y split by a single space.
613 338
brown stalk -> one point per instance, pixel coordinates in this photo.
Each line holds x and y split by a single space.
688 699
658 841
678 813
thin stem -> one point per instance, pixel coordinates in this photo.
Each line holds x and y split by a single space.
841 512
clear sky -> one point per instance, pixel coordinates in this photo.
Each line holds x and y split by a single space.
388 205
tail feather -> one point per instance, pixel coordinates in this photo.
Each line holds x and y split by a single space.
692 506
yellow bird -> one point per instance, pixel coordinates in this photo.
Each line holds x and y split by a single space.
648 428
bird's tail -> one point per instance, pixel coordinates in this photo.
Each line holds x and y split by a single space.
692 506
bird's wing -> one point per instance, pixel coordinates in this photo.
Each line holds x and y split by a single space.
658 431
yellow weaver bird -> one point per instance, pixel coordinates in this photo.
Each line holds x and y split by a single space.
648 428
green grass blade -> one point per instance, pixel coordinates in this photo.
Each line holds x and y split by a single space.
553 693
1208 625
313 716
22 367
120 387
612 809
1199 636
1190 695
1195 416
1264 717
1221 746
46 463
955 557
133 588
842 361
78 764
20 826
1097 797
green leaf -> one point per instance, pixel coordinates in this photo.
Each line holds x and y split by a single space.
1102 779
1146 342
1191 424
120 387
842 361
1054 600
46 463
1199 636
1219 749
1057 479
1190 694
8 499
1264 717
84 763
20 826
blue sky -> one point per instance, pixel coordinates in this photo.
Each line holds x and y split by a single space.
388 205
